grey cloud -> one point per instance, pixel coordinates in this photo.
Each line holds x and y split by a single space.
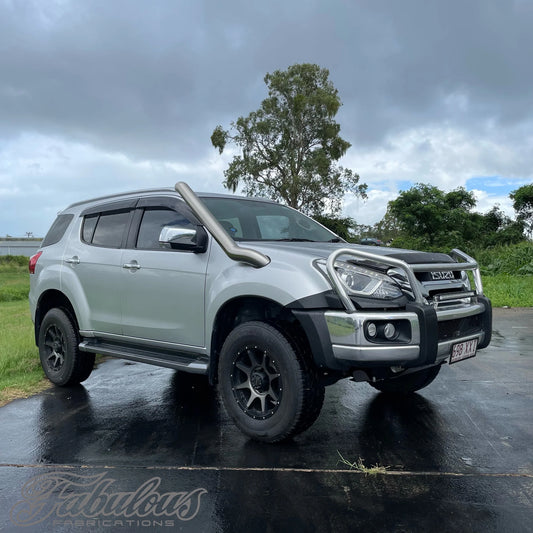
152 79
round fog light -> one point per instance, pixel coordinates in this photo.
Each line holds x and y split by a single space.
372 330
389 331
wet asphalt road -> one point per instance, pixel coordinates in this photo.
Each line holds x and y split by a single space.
459 455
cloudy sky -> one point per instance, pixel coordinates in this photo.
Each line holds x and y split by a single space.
106 96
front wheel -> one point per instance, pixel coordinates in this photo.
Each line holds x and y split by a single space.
270 391
61 359
409 383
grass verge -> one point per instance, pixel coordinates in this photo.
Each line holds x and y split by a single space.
20 369
14 283
509 290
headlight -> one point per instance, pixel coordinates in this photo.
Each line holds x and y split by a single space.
359 281
466 280
400 277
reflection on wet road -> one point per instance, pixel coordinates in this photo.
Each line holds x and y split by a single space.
144 448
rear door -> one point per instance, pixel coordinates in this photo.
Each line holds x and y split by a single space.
95 259
163 296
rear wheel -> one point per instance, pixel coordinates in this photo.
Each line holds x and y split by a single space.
270 391
409 383
61 359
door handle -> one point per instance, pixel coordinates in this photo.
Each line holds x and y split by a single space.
75 260
132 266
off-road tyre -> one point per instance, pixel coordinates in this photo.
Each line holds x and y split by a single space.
269 389
61 359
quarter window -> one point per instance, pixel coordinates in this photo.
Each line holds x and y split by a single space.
56 232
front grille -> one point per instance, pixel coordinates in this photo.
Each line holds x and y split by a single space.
443 300
446 293
459 327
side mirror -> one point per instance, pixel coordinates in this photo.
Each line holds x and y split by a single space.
187 239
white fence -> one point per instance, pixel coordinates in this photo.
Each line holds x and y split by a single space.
27 248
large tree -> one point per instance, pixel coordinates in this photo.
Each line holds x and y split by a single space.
523 205
290 146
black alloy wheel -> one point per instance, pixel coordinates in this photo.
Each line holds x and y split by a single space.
268 387
61 359
256 382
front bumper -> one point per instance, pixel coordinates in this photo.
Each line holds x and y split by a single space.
428 339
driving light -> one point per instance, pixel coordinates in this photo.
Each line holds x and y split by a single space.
372 330
389 331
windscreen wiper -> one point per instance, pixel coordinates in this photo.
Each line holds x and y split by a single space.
293 240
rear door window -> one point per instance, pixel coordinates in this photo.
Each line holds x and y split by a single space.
89 223
110 228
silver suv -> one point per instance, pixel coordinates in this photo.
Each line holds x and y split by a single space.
265 301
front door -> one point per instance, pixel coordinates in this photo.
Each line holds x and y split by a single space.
163 289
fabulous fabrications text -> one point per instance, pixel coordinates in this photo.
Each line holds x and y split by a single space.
62 495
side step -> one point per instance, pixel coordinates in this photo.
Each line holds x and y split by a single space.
156 357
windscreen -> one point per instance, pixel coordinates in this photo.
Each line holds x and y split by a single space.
254 220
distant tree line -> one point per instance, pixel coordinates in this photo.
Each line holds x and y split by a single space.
424 217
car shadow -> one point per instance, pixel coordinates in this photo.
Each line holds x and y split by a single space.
175 425
404 432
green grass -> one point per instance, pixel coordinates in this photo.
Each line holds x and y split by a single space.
14 279
512 260
508 290
20 369
13 286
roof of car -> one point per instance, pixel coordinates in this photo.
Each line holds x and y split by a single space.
163 190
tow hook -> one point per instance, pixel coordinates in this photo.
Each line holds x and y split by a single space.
360 376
